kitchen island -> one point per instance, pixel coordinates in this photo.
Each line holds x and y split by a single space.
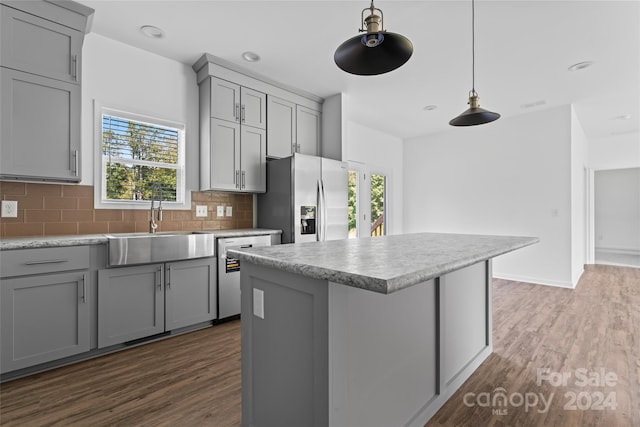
364 332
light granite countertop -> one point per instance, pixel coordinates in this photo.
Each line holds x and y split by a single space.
384 264
9 243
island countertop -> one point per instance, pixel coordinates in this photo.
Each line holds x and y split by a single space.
384 264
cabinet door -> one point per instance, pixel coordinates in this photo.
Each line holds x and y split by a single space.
281 127
225 155
40 127
44 318
253 160
307 131
130 303
39 46
190 292
254 108
225 100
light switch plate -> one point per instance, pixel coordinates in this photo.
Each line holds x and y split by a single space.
229 211
220 211
258 303
9 209
201 210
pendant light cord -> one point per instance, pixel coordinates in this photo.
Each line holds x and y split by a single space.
473 47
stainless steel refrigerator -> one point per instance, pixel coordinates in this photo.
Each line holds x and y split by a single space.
306 198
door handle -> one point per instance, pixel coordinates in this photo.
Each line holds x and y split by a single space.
84 288
74 67
237 179
236 112
243 113
243 175
75 162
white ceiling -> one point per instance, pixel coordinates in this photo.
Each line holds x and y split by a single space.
523 50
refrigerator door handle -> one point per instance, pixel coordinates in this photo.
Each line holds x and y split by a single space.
323 222
318 215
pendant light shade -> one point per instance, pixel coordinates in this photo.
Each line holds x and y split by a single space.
474 115
376 52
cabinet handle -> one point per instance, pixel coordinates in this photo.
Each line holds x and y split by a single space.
237 180
243 173
75 162
84 288
168 278
159 280
74 67
243 114
49 261
236 112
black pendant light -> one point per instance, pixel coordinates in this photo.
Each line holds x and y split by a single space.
474 115
377 51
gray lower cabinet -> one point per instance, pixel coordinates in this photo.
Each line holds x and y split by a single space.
139 301
130 303
44 318
191 295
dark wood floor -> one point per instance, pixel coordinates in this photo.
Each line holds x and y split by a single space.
194 379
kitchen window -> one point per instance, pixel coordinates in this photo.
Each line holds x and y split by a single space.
137 151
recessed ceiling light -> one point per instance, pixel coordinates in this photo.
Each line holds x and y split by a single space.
534 104
152 32
580 66
429 107
623 117
250 56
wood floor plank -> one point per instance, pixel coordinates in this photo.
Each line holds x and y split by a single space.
194 379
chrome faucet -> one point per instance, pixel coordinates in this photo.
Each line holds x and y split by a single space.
156 190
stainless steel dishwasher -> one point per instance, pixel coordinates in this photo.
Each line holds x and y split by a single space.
229 272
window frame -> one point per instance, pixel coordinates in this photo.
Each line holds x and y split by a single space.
183 199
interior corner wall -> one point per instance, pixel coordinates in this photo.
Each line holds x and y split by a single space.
615 152
579 161
122 76
510 177
381 152
617 210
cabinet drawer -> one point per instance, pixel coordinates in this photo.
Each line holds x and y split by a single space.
23 262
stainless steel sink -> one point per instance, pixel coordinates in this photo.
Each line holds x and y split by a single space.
145 248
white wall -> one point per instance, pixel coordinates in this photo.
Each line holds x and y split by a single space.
615 152
121 76
617 210
382 152
510 177
579 161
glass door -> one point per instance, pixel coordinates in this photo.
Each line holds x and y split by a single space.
378 184
367 202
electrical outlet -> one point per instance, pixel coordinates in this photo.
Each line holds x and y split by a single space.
229 211
220 211
201 210
9 209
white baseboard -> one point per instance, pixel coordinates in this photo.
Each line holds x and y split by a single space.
621 251
534 280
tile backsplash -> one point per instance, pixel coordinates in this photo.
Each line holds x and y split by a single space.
61 209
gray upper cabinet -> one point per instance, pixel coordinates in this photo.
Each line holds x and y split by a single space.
281 127
307 130
39 46
40 127
233 146
44 311
191 292
253 172
40 80
231 102
253 108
